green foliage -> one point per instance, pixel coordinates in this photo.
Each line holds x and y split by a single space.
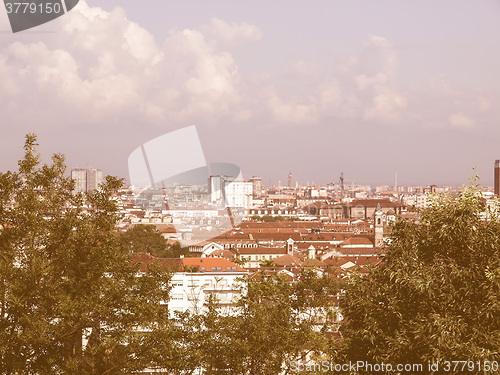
267 263
70 300
437 296
146 238
240 261
143 238
176 251
269 218
276 322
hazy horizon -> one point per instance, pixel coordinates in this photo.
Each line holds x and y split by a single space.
318 88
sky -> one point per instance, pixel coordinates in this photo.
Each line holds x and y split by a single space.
366 88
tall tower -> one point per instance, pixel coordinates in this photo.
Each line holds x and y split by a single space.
80 177
379 227
497 177
290 179
289 246
94 178
86 180
256 186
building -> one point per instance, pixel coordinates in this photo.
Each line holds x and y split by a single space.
217 185
239 194
497 177
227 191
86 180
194 280
379 227
256 186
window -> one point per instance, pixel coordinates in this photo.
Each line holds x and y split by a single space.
177 283
177 297
193 283
216 268
203 269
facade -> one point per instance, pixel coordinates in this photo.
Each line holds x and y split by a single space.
195 280
230 192
256 186
80 177
86 180
217 185
379 227
201 278
254 255
239 194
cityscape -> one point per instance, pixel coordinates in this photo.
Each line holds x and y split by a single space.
249 188
280 228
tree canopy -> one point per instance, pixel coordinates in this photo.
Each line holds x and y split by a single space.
275 322
70 298
146 238
437 296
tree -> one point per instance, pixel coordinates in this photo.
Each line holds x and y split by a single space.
70 297
176 251
436 297
143 238
274 323
148 239
267 263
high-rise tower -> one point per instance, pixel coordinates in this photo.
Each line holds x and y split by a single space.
497 177
379 227
290 179
86 180
256 186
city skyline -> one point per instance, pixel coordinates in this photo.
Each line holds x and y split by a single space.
363 88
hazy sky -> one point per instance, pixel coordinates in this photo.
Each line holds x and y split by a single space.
318 87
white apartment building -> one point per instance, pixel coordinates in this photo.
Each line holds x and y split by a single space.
239 194
230 192
417 200
86 180
196 279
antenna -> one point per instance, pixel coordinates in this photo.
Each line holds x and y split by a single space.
342 186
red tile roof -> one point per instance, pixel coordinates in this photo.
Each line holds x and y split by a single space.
357 241
146 261
287 260
208 263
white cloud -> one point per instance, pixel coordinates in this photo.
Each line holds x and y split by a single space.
305 112
460 120
101 65
231 35
366 87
